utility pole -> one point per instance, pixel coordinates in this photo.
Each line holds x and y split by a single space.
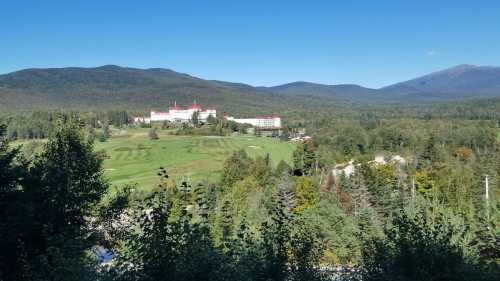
413 188
487 195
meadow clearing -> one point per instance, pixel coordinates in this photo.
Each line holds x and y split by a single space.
133 158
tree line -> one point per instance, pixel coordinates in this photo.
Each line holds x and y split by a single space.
425 219
262 221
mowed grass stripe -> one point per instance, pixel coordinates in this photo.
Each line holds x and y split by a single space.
136 159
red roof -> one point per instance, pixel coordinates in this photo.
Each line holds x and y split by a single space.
195 106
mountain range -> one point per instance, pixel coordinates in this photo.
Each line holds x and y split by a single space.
115 87
462 81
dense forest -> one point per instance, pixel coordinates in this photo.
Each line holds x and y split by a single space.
112 87
426 217
115 87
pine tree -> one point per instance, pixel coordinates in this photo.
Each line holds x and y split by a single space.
361 197
14 262
304 158
195 119
283 167
227 225
53 199
430 156
236 167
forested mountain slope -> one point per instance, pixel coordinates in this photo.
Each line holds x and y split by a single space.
115 87
125 88
462 81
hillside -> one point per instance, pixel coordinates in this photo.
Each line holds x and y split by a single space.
127 88
342 91
115 87
462 81
459 82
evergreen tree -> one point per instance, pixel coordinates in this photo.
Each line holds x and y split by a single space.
236 167
283 167
430 155
361 197
14 263
226 224
195 119
424 242
65 184
304 158
211 120
54 200
261 169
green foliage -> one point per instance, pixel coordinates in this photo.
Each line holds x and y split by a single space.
262 169
48 235
133 158
105 133
179 249
383 184
219 126
290 252
195 119
240 192
257 222
157 244
283 167
424 182
338 231
115 88
304 158
236 167
423 242
211 119
306 194
486 241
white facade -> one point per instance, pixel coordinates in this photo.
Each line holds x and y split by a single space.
145 120
271 122
348 168
175 114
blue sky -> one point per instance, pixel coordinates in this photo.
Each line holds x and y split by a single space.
371 43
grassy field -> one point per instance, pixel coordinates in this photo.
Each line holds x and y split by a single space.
133 158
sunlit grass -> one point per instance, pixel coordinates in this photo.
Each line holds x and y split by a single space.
133 158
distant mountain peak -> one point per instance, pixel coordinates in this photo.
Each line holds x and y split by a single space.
454 82
457 69
114 86
464 66
110 67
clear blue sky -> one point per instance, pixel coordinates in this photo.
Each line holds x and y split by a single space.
372 43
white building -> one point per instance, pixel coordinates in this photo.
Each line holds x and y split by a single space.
349 168
176 114
142 119
262 122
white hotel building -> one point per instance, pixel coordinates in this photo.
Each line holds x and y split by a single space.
261 122
176 114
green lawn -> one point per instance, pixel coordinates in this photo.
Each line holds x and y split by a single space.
133 158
